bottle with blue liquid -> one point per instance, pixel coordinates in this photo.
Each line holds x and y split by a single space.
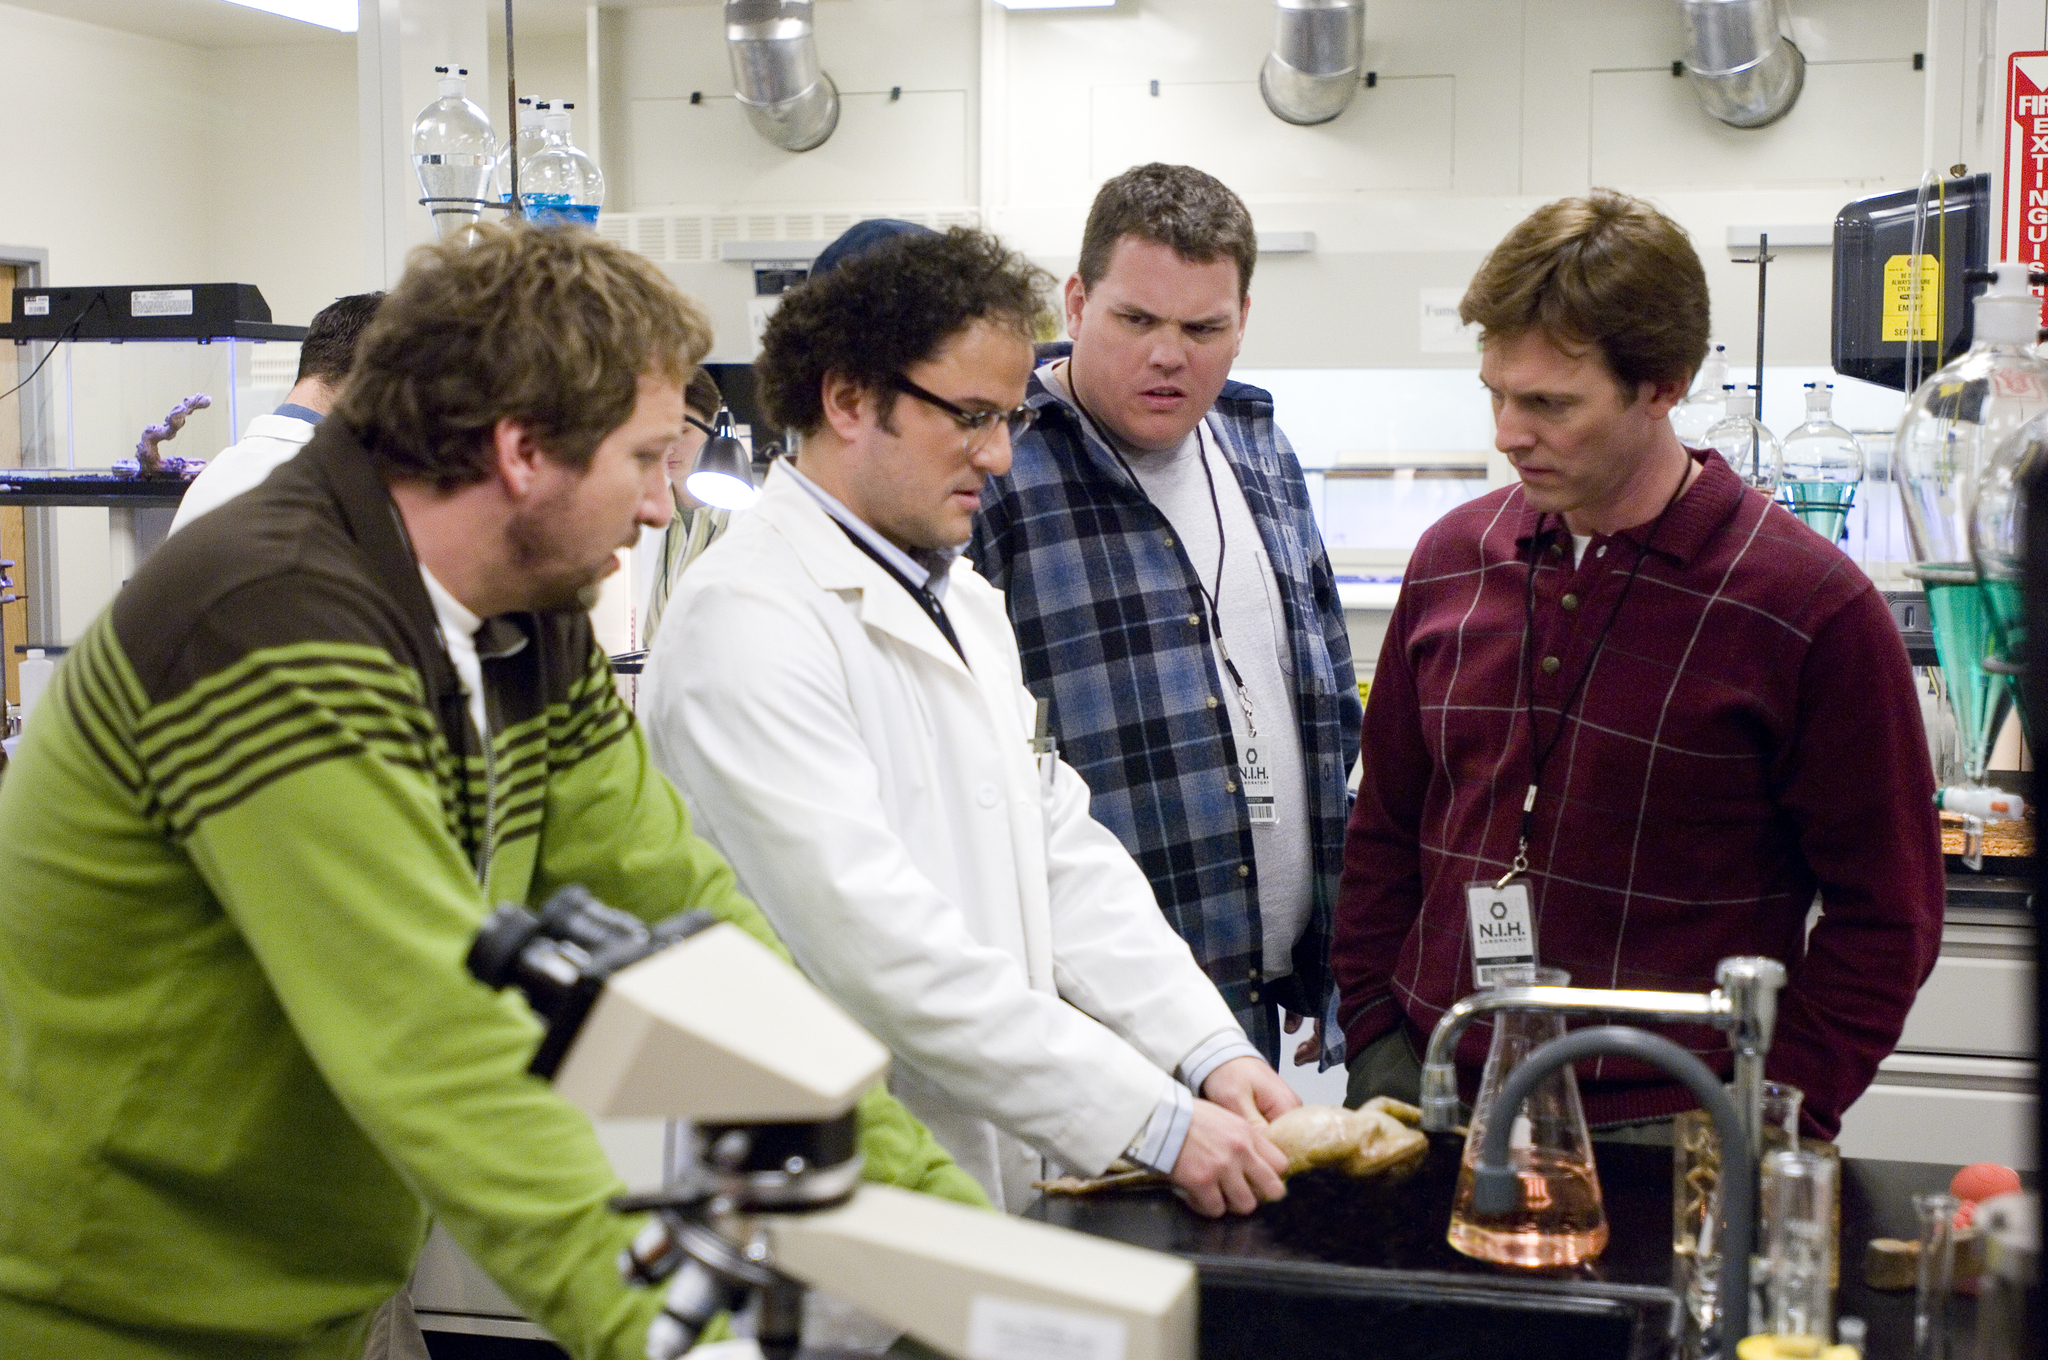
520 148
1823 466
560 185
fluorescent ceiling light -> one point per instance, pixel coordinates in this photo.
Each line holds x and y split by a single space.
338 14
1056 4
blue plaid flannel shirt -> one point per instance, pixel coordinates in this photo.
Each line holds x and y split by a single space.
1100 603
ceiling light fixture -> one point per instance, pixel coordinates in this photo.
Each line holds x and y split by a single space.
1056 4
335 14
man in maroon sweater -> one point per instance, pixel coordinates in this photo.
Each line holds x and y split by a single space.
1711 703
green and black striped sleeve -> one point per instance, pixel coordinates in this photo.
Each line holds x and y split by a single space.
288 751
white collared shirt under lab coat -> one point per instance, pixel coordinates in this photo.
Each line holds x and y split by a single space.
880 801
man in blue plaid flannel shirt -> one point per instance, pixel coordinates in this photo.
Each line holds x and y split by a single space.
1172 599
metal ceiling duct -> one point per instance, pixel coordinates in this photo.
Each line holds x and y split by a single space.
1312 71
788 98
1744 70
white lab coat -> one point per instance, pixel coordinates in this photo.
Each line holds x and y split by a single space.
270 442
881 803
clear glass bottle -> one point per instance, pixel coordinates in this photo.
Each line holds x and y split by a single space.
1953 427
560 184
1823 467
1797 1211
1744 444
1561 1221
1705 404
522 146
1936 1276
1998 544
452 153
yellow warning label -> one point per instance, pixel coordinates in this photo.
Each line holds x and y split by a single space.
1899 301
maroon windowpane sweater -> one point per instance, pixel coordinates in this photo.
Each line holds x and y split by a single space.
1749 735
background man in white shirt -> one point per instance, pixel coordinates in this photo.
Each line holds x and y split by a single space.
325 356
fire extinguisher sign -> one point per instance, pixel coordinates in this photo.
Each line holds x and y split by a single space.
2023 233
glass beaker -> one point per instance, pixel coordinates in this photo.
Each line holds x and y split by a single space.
1560 1222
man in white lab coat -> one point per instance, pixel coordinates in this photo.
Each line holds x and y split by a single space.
839 697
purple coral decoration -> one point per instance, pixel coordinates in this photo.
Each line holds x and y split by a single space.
148 461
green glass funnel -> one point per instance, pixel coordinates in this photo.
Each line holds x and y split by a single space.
1823 506
1962 639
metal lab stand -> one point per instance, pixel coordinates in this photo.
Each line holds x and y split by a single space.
121 498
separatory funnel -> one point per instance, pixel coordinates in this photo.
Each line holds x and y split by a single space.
560 185
1745 444
1704 406
1952 428
1998 549
521 147
452 151
1823 467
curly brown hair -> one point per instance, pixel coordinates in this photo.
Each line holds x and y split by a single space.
549 326
1606 271
875 314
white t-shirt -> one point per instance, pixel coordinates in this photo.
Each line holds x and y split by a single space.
1254 626
458 635
271 441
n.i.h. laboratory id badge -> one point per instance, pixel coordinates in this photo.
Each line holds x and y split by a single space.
1503 934
1257 777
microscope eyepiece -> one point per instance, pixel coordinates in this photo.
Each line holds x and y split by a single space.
561 959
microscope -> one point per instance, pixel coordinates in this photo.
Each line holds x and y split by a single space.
693 1019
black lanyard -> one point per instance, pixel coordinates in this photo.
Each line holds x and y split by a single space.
1540 752
922 594
1210 600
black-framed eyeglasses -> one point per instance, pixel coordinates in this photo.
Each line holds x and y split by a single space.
980 426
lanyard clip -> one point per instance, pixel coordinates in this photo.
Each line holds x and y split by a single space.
1517 869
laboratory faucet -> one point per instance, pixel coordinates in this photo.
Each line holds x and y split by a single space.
1497 1186
1745 1005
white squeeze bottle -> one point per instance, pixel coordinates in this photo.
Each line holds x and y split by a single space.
36 669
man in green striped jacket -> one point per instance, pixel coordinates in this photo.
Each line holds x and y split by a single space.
255 824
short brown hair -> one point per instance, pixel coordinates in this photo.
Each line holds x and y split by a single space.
702 396
1192 212
1606 271
550 326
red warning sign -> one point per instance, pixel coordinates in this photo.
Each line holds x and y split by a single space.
2023 234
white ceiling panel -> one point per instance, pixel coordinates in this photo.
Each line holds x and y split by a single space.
196 23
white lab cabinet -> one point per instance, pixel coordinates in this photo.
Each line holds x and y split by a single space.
451 1294
1961 1086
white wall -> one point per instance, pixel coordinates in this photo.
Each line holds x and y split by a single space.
144 160
248 163
283 208
1482 110
112 169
